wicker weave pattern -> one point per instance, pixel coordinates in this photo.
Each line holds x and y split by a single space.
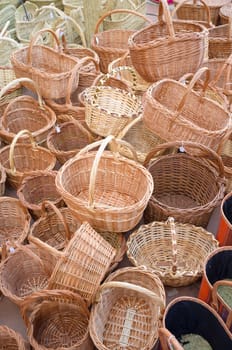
11 340
225 13
220 41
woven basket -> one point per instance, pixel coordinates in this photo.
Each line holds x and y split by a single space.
7 14
175 252
125 315
192 183
4 3
176 112
112 44
37 188
68 139
21 160
15 223
11 340
221 300
49 69
2 180
41 3
115 205
89 255
70 5
7 74
193 11
168 340
108 110
54 227
24 112
225 13
25 18
220 41
226 155
25 272
168 49
57 320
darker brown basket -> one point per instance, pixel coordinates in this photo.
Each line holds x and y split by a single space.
168 49
11 340
189 183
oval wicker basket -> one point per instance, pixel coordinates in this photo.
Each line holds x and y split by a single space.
176 252
115 204
37 188
57 319
24 112
21 160
189 183
11 340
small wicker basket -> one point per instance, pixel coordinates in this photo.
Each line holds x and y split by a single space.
11 340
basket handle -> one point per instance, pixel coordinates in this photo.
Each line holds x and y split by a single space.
215 301
164 10
130 286
4 29
206 152
171 223
124 131
226 66
168 341
206 7
15 84
116 70
132 12
12 147
103 144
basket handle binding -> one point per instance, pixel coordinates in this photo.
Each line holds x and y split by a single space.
168 340
207 9
164 10
216 298
103 144
119 11
12 147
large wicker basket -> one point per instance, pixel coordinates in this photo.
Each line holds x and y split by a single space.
109 191
176 252
189 183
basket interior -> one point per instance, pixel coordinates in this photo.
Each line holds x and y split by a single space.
111 39
219 266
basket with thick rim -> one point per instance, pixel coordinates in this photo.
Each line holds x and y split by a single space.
25 112
104 188
15 222
177 112
225 13
221 300
37 188
113 43
20 160
57 319
125 315
168 49
89 255
12 340
220 41
168 340
189 183
176 252
25 271
47 67
54 227
108 110
66 140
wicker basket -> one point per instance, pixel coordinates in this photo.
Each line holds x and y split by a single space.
189 182
168 49
37 188
112 44
221 300
7 14
70 5
15 223
54 227
125 315
21 160
25 18
168 340
24 112
225 13
176 112
11 340
89 255
4 3
226 155
68 139
175 252
57 320
49 69
115 205
2 180
25 272
220 41
41 3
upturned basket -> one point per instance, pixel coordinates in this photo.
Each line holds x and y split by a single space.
168 49
37 188
225 13
104 188
12 340
15 223
89 255
112 43
25 112
189 183
220 41
47 67
176 112
55 227
176 252
25 272
125 315
57 319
